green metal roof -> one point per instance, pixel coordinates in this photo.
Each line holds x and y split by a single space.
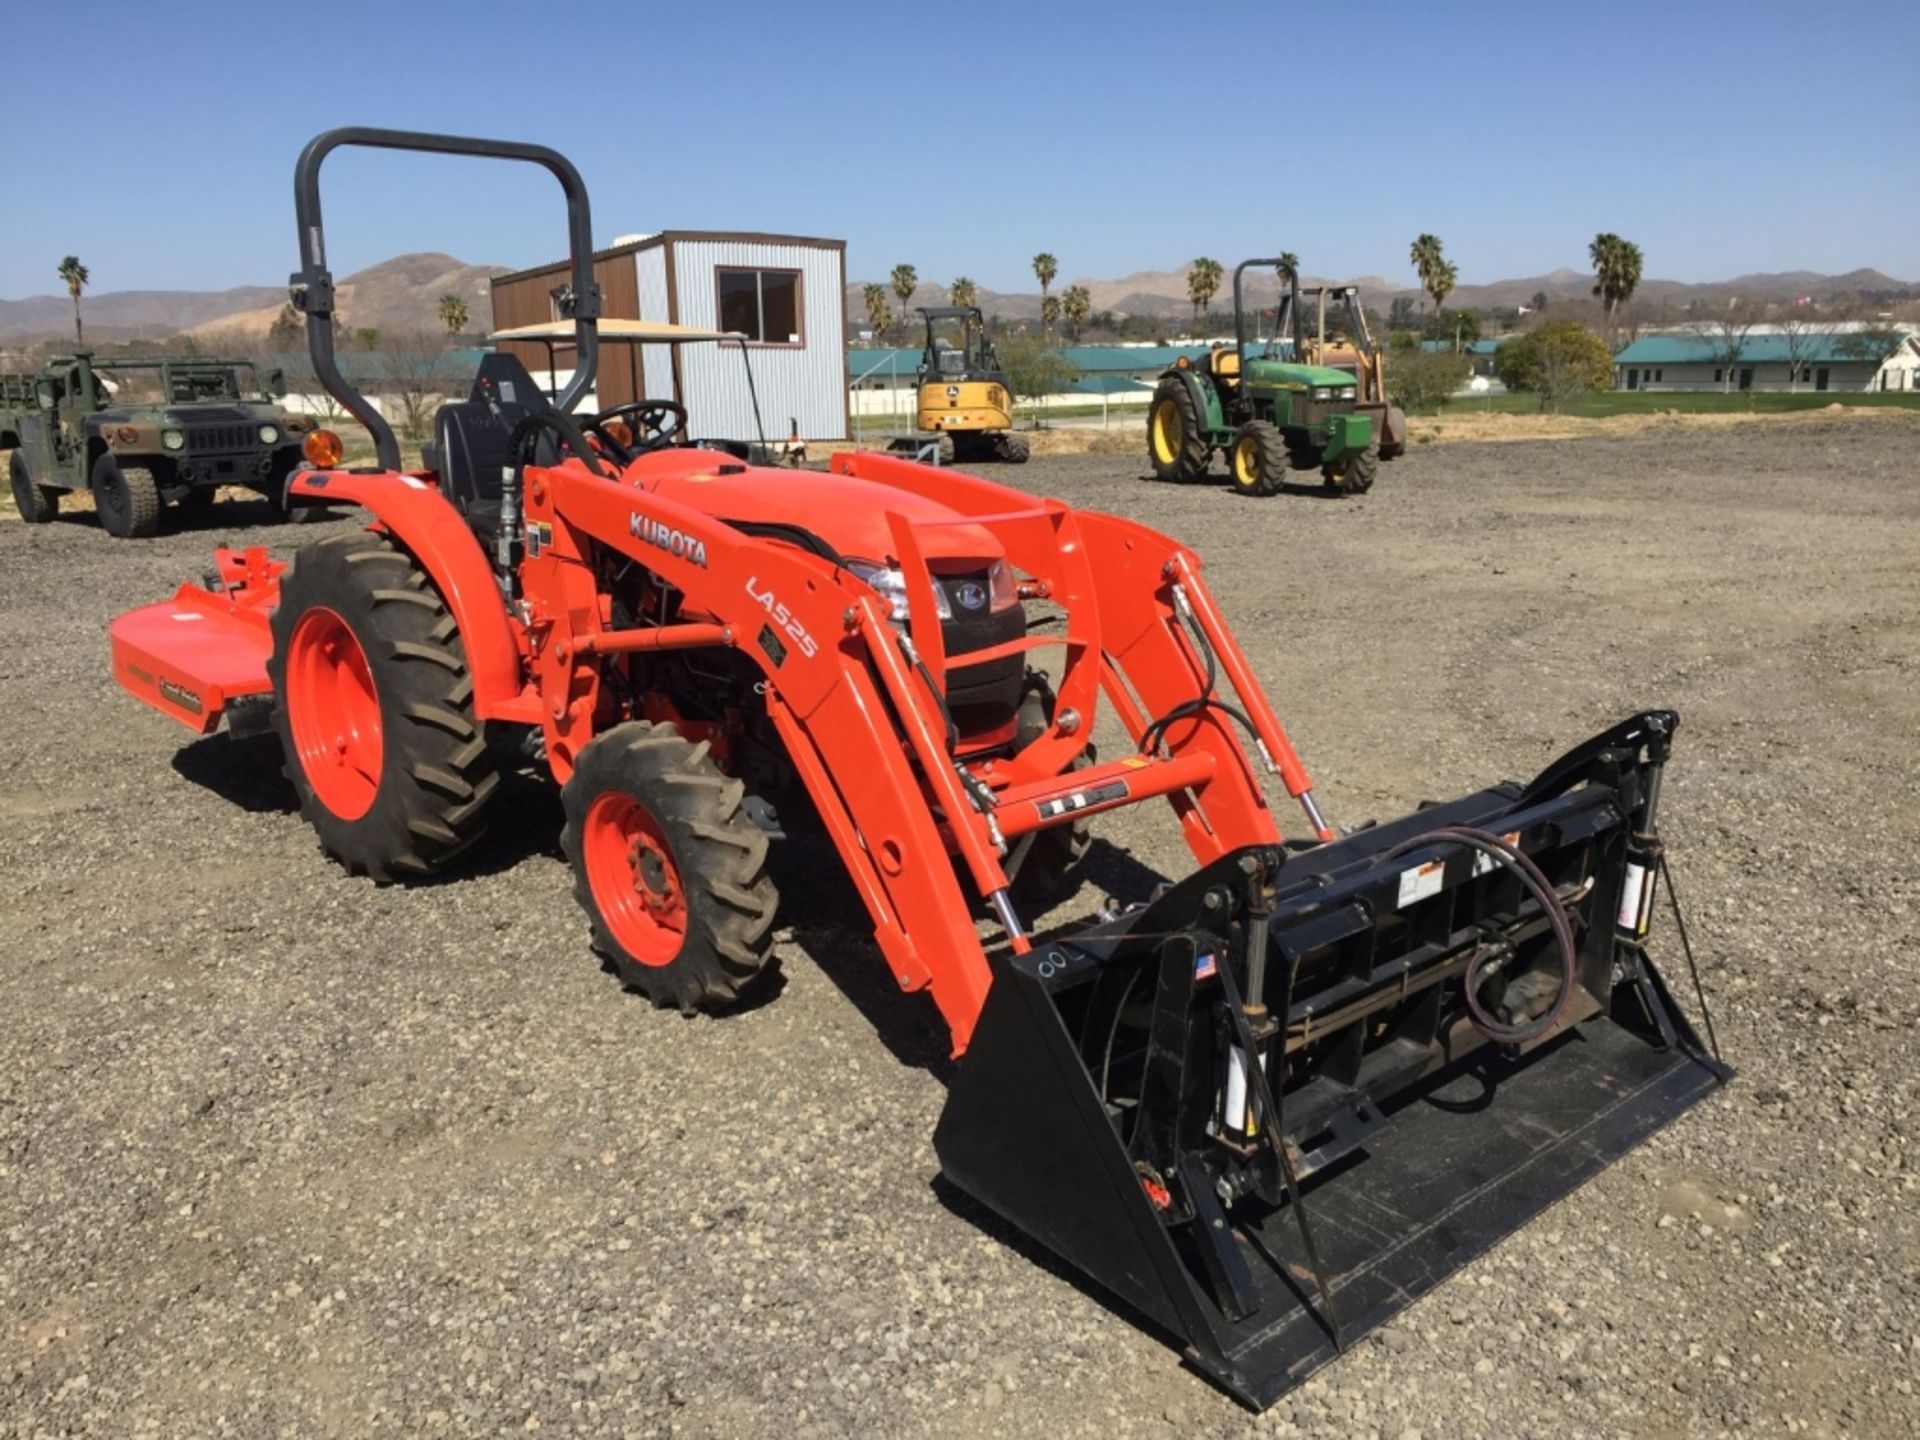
1769 349
1484 348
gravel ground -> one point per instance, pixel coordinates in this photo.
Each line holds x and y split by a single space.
285 1153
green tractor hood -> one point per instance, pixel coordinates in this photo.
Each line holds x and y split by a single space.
1294 377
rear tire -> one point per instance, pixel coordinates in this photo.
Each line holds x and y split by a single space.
669 868
126 498
1177 433
375 710
1259 459
1393 440
36 503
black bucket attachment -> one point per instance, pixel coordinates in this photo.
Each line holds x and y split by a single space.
1295 1092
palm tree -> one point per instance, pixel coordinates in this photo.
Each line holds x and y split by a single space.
963 292
1045 267
1049 312
1076 305
1288 269
453 313
1441 283
905 281
879 317
1427 259
1616 272
1203 283
75 274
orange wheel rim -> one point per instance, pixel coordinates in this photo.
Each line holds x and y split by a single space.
633 879
334 713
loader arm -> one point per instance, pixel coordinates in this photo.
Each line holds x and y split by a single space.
858 707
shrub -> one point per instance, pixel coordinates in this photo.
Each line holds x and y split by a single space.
1420 381
1555 360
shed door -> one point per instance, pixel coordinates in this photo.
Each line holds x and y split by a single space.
1820 378
1633 379
1746 378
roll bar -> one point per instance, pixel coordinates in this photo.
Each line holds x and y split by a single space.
1291 298
312 284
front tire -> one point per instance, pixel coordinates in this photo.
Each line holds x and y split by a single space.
1011 449
375 710
668 866
1177 433
36 503
1259 460
125 497
1355 474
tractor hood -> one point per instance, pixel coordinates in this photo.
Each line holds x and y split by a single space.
848 513
1284 372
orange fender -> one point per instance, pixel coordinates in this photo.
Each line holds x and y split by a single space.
425 525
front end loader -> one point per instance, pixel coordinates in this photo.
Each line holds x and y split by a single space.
1263 1109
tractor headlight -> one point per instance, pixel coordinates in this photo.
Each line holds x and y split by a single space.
891 585
1323 392
269 434
174 439
1347 392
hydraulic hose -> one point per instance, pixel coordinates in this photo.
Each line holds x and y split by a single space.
1521 866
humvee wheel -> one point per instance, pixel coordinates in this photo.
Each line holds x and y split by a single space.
1259 459
668 866
126 498
36 503
1176 433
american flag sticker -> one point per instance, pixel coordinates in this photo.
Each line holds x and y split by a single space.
1205 967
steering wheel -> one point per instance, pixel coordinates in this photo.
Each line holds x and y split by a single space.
656 424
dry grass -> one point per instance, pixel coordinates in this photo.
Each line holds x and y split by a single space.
1469 425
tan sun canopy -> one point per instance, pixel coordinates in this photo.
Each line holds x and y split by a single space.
639 332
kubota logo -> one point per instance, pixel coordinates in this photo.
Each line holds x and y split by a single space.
677 543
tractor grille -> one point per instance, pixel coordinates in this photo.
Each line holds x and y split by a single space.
984 697
219 439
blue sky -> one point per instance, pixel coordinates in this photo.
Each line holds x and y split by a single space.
1723 138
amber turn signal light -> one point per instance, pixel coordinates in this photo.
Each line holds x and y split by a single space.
323 448
621 432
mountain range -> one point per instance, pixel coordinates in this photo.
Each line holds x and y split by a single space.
1164 292
402 294
397 295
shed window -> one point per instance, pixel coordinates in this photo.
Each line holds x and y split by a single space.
763 305
1716 377
1657 376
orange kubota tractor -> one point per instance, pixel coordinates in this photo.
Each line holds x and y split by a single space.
1266 1108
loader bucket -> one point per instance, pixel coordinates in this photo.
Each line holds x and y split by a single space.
1268 1215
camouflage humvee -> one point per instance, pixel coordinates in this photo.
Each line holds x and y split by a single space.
140 433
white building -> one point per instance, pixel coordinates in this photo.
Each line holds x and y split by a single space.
1838 359
785 293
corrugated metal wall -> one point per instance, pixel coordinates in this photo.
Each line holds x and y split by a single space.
658 359
807 383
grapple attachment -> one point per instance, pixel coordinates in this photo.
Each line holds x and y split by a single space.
1296 1091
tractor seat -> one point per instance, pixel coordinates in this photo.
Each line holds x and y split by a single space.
471 438
1226 363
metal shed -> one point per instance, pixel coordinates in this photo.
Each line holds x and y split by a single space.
785 293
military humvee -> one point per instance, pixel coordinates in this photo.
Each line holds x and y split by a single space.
141 433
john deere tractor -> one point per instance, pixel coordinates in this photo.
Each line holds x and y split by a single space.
1269 415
